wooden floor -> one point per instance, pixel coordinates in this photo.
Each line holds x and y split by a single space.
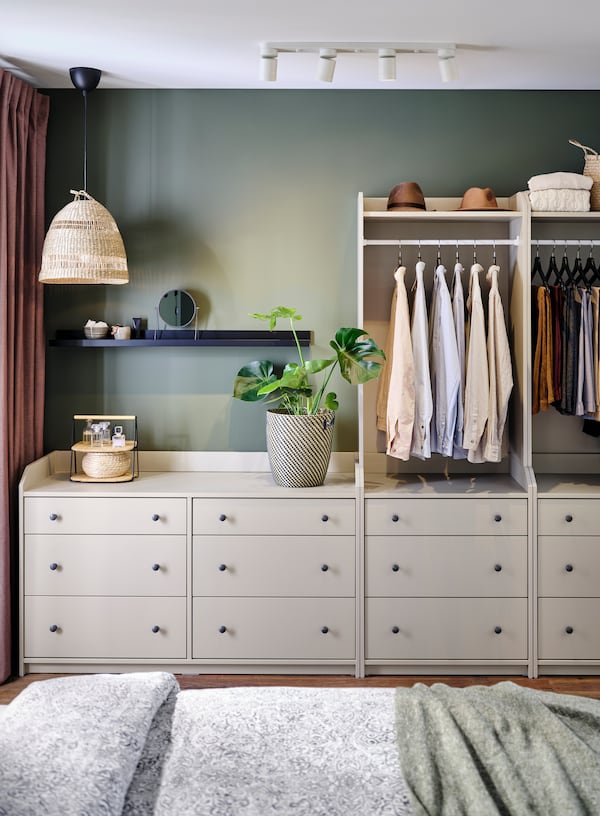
584 686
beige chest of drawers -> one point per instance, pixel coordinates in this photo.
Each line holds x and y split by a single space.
104 578
446 583
260 594
147 573
568 581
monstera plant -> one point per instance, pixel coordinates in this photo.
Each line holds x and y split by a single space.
293 390
300 425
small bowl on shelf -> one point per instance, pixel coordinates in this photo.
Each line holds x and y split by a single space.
95 332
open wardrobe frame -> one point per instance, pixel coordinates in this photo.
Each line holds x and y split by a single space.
448 560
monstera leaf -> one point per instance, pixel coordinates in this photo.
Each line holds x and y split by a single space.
354 355
252 378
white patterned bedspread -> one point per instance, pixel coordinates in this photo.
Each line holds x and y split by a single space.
224 752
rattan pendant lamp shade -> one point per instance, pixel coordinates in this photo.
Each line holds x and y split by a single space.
83 243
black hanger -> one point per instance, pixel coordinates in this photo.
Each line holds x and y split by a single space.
553 270
565 275
577 274
538 270
590 271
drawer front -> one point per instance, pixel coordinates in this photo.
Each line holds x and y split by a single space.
121 515
568 517
105 565
569 566
274 565
446 629
270 517
446 516
458 566
104 627
274 628
568 629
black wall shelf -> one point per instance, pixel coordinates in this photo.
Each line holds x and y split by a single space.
184 337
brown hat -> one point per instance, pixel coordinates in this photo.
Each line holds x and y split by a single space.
406 196
478 198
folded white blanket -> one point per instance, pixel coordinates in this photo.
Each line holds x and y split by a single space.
560 200
560 181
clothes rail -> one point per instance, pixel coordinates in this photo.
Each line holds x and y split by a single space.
567 242
473 242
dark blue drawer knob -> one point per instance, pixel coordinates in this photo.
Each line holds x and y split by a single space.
53 516
395 567
569 518
222 567
569 630
324 629
155 517
497 517
222 629
324 517
395 629
395 518
498 567
156 567
53 566
324 567
54 628
498 630
222 517
156 629
569 567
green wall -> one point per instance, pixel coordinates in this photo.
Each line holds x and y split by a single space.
248 200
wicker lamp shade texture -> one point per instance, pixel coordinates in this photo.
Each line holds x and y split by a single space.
83 245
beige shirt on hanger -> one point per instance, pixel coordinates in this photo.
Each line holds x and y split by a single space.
383 383
477 384
500 371
401 388
421 436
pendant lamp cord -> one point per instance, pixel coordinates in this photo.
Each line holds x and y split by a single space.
84 140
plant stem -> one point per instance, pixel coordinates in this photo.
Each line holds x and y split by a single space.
321 391
297 342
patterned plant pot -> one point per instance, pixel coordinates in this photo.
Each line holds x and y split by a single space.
299 447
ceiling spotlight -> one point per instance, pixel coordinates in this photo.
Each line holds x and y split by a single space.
387 65
327 64
268 64
447 64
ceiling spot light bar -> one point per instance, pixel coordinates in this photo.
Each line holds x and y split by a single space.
385 51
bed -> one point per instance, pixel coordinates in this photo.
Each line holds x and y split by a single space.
136 744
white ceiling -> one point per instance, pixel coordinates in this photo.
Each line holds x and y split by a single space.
512 44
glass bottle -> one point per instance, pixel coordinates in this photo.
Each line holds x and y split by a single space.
87 433
105 433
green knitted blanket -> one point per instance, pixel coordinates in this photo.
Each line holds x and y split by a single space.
502 749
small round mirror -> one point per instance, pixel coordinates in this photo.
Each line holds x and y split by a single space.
177 308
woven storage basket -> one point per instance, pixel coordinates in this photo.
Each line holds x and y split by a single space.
591 168
106 465
83 245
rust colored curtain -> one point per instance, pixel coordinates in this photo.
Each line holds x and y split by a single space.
23 125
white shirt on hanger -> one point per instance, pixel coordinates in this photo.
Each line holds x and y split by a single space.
500 371
458 312
445 366
477 384
421 436
401 394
